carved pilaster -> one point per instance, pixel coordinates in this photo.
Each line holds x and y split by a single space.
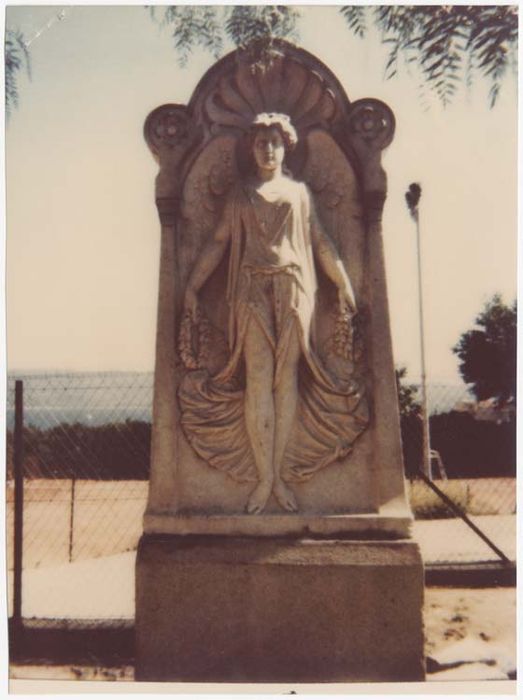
168 209
370 130
171 134
373 203
371 127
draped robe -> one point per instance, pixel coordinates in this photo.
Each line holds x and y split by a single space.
272 281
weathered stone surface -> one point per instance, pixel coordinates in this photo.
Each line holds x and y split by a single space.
274 609
342 453
275 415
390 526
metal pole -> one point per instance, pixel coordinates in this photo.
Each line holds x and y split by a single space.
71 520
426 466
18 463
461 513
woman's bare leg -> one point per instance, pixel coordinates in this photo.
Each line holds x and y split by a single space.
285 402
259 411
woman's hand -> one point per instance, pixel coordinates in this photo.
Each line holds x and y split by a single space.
346 301
191 303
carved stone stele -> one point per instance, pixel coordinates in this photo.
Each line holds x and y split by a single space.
275 542
342 463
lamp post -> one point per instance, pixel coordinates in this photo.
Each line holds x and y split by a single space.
412 197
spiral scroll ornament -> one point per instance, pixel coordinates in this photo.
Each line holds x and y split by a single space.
373 122
168 126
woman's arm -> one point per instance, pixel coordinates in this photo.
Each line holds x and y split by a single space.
330 261
206 263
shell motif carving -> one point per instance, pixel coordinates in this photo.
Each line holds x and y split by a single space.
282 84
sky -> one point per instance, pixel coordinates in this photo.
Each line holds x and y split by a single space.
82 229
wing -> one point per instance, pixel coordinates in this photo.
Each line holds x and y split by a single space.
334 188
204 194
212 416
333 184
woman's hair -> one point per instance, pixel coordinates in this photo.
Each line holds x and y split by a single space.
282 122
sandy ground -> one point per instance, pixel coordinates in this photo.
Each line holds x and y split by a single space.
103 587
470 633
105 518
451 540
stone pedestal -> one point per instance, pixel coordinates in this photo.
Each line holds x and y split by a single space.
247 609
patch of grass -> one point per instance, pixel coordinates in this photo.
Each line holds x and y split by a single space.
427 505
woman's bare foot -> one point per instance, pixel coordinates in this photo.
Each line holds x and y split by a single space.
259 497
285 496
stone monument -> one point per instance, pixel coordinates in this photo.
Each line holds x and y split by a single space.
276 541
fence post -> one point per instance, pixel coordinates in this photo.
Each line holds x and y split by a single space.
71 519
18 462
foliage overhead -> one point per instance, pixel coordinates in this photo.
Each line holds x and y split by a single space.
209 27
447 43
16 56
488 352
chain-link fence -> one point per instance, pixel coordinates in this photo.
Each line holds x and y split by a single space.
86 460
86 444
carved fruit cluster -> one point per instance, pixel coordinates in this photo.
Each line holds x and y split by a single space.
194 340
343 336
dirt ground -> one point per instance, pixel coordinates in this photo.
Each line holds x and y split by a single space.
470 635
103 518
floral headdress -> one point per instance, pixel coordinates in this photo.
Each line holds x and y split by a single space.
282 121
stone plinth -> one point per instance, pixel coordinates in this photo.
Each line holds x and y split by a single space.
240 609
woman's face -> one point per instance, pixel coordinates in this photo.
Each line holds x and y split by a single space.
269 148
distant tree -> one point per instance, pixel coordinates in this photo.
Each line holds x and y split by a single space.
488 352
410 422
448 44
16 57
109 451
472 448
407 394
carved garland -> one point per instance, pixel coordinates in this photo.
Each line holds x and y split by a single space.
194 340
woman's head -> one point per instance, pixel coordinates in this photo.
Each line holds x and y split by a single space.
271 136
282 122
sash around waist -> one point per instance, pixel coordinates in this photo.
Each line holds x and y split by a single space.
290 269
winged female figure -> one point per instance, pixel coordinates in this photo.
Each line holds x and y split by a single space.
274 240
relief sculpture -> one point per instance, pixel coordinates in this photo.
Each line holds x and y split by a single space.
279 405
276 433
